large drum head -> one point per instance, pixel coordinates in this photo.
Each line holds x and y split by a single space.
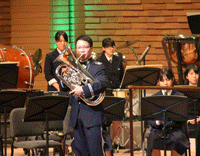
26 71
189 53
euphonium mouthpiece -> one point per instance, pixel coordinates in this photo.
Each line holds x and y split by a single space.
80 57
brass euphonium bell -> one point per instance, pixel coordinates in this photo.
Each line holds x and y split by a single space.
75 74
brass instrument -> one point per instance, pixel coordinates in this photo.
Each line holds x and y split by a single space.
76 74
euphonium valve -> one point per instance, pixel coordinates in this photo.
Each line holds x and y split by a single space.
76 74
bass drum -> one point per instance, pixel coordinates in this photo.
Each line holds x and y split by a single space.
26 70
124 93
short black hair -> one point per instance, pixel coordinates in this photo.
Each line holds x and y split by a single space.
61 33
187 70
166 72
108 42
85 38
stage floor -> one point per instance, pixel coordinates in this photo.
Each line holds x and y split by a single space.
19 152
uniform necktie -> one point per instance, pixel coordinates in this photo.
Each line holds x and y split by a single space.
110 60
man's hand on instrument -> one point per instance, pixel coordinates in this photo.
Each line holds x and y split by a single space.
65 71
193 120
158 122
78 91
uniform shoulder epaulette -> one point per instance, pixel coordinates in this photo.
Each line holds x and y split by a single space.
98 63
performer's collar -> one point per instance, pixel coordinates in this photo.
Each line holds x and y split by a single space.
168 92
85 62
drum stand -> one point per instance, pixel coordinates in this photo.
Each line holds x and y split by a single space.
122 141
124 138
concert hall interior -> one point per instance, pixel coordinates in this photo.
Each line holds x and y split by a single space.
143 36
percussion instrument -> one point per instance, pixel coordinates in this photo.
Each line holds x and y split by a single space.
182 50
127 44
121 93
51 93
26 71
188 51
124 93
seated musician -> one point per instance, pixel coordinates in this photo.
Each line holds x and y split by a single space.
191 76
176 140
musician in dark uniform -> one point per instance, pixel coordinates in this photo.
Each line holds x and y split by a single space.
61 40
191 75
175 133
87 120
114 64
114 71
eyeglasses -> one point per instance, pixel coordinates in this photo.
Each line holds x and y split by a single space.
61 41
110 47
84 47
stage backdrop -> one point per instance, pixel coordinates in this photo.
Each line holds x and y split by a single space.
31 24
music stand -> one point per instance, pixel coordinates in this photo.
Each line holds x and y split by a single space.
8 75
8 101
172 108
193 107
46 108
194 21
139 76
114 108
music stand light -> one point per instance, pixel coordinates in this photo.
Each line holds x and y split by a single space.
46 108
8 75
114 108
172 108
8 101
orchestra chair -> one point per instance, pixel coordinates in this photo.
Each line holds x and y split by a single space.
68 132
55 132
19 128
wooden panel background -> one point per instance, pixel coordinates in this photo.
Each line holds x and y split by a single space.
31 30
27 24
5 24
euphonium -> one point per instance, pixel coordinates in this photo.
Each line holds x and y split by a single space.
76 74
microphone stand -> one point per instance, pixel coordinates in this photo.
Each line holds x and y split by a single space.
134 52
142 57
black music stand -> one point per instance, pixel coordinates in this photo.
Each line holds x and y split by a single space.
8 101
172 108
8 75
193 108
46 108
138 76
114 108
194 22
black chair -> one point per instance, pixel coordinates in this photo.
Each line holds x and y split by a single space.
19 128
